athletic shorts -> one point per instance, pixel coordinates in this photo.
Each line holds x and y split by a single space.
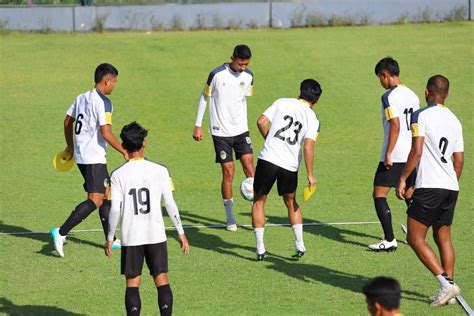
156 256
391 177
96 177
223 146
267 173
433 207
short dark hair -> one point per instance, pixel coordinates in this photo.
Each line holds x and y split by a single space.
132 136
310 90
242 51
389 64
438 84
383 290
104 70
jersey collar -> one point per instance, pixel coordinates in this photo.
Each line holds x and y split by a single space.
305 102
133 159
437 104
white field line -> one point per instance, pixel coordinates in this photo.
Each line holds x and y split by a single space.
206 226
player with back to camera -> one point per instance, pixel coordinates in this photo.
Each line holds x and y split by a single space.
398 104
226 90
437 155
382 295
287 125
88 130
137 188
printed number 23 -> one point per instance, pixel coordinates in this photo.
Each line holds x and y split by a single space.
297 130
142 197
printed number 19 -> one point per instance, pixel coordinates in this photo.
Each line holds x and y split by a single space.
142 197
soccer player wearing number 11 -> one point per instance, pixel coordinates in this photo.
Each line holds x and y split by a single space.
285 125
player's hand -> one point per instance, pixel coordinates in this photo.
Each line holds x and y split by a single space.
108 248
125 156
388 161
312 181
70 152
197 134
401 189
184 243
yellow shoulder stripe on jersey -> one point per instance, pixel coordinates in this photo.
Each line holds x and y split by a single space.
414 130
251 90
172 184
108 118
207 90
316 137
388 114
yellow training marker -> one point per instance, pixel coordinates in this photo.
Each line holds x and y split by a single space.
308 192
61 163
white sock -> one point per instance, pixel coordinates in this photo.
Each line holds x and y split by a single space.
229 211
443 282
259 239
298 231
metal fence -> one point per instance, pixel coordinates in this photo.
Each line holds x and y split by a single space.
233 15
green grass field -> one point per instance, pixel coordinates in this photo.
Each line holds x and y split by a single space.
161 77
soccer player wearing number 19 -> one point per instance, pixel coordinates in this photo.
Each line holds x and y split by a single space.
88 130
437 137
398 104
285 125
137 188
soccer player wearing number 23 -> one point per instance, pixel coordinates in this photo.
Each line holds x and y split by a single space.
285 125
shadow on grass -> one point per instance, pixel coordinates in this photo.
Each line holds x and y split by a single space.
7 307
332 232
48 248
314 273
199 220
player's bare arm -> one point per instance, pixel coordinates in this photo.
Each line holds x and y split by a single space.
68 126
308 153
263 124
184 243
109 137
458 163
413 159
392 141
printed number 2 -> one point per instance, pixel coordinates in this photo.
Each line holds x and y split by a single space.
408 113
78 127
142 197
297 130
443 145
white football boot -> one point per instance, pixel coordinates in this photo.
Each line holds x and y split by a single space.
384 245
116 244
445 295
58 240
232 227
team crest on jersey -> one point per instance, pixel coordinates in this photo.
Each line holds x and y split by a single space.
242 85
223 155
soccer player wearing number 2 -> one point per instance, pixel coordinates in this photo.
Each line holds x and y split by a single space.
398 104
285 125
87 129
437 136
137 188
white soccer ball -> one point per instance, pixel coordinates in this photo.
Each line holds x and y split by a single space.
246 189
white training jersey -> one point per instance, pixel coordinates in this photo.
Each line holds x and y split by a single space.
137 186
90 111
292 120
443 137
227 91
399 102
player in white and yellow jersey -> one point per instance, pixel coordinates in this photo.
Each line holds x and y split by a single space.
137 189
226 90
287 125
398 104
437 154
88 130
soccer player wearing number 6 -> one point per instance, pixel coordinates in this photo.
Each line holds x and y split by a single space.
287 125
137 188
398 104
88 130
437 136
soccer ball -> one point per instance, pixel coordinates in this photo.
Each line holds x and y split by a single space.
246 189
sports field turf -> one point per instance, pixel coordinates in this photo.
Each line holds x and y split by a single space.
161 77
